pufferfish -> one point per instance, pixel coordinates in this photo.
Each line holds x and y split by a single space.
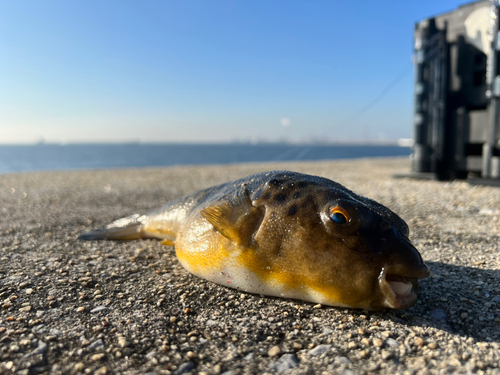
290 235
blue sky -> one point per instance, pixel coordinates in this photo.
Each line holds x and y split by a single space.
207 71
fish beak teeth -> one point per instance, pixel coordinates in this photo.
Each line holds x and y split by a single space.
401 288
399 291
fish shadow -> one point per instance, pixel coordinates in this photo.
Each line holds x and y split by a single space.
461 300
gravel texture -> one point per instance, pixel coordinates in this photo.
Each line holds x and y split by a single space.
69 306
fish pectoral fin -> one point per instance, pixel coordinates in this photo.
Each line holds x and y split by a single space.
236 219
128 228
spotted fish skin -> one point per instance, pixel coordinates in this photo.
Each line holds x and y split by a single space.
288 234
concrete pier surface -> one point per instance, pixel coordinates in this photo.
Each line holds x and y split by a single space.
69 306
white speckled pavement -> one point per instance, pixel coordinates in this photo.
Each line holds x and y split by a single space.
69 306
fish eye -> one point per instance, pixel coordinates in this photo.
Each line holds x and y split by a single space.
339 215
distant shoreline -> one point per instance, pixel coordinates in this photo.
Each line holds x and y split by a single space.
138 155
403 142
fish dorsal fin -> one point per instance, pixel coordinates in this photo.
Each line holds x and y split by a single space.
236 218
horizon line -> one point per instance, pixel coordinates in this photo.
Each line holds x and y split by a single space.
401 142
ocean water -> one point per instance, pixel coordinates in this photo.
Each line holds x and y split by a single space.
92 156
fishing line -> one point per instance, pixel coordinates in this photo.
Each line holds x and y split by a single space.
380 96
402 74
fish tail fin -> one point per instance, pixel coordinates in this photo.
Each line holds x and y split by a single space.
128 228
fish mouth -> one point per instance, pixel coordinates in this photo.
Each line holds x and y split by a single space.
399 285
